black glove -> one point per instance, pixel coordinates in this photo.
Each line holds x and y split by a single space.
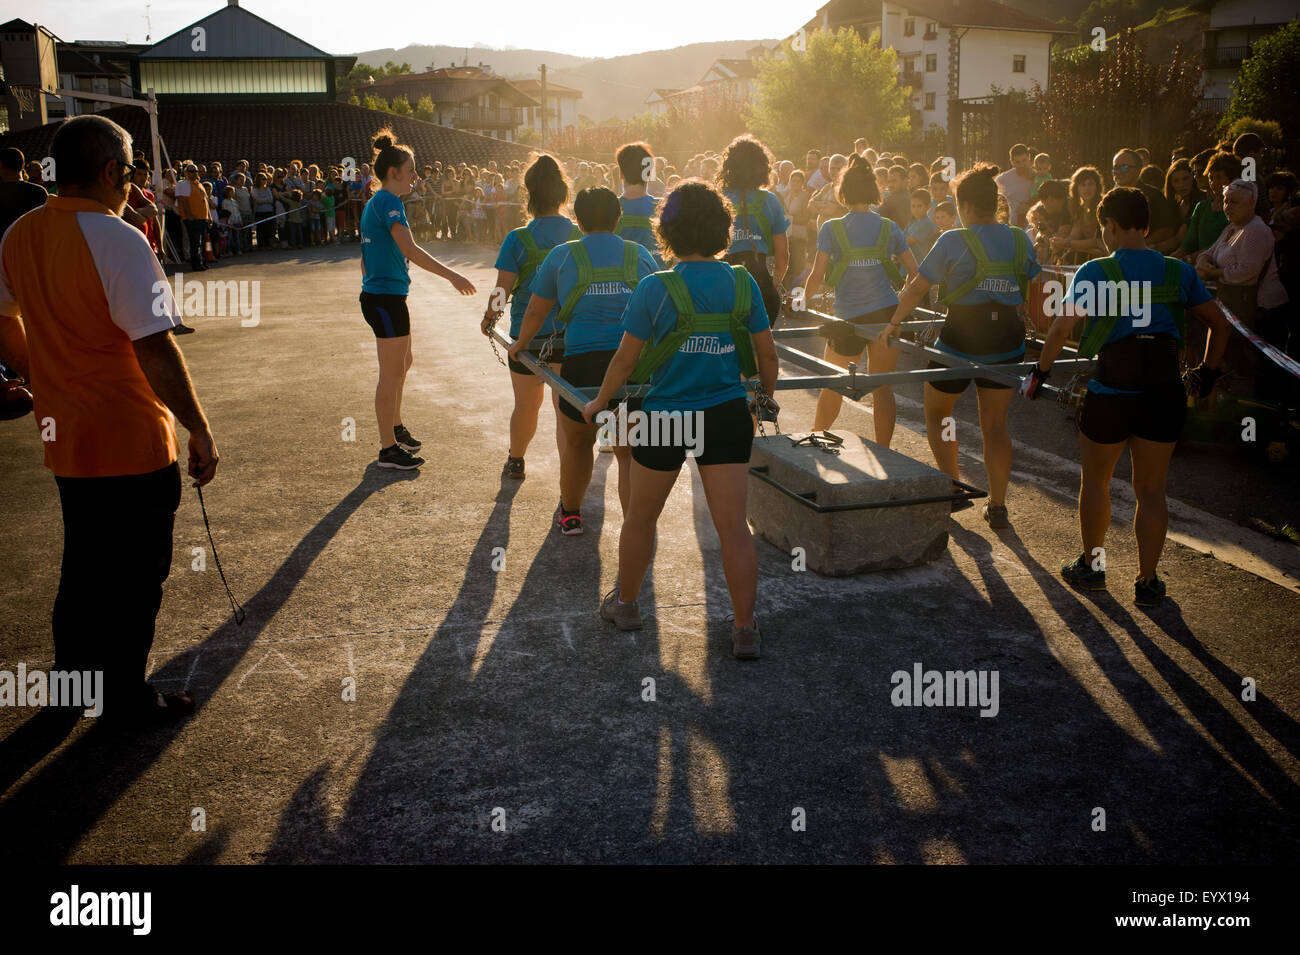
1033 381
1199 381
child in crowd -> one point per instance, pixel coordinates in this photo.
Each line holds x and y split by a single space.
281 222
1049 217
921 231
315 213
1042 173
945 216
327 216
478 216
215 222
233 219
293 207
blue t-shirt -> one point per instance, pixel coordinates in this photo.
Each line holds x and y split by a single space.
547 232
642 206
1137 265
705 370
925 232
596 322
386 268
746 236
865 286
950 261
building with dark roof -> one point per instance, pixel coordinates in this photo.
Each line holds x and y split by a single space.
463 97
207 75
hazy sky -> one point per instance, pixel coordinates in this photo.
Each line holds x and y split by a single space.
602 29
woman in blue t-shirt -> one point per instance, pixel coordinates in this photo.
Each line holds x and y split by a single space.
1135 398
548 190
761 223
983 325
386 247
864 294
696 400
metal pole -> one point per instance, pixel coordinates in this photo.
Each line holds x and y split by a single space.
153 136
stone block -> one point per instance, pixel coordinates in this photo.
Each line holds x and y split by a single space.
850 541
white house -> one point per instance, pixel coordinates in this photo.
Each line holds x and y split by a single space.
657 101
561 105
951 49
726 83
1233 27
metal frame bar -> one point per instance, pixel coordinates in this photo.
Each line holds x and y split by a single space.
809 498
849 382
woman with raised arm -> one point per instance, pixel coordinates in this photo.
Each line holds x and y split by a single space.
386 248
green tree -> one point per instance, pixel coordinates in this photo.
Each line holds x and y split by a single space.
371 101
400 105
425 110
839 88
1268 82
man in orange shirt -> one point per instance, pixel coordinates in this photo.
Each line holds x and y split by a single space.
86 316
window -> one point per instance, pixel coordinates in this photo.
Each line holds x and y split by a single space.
1017 64
909 28
929 101
931 62
932 29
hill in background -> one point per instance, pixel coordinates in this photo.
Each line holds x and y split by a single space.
613 88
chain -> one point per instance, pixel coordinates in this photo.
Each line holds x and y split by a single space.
763 404
493 342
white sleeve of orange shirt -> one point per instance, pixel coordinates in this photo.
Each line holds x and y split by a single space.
8 307
140 299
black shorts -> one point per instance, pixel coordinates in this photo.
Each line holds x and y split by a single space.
386 314
555 356
981 330
845 342
1153 416
725 435
586 370
756 264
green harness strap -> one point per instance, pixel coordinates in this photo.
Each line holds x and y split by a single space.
1018 268
589 274
878 252
764 227
1168 293
626 221
689 323
534 254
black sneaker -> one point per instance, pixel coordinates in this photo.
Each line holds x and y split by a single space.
1148 593
182 329
399 458
995 515
962 503
514 468
405 440
569 522
1080 573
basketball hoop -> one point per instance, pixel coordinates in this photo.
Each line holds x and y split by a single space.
24 95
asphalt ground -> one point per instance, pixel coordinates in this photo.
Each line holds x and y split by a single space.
497 718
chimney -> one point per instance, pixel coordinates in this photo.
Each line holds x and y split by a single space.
232 3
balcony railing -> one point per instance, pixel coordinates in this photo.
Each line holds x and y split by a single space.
508 116
931 35
914 80
1221 57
